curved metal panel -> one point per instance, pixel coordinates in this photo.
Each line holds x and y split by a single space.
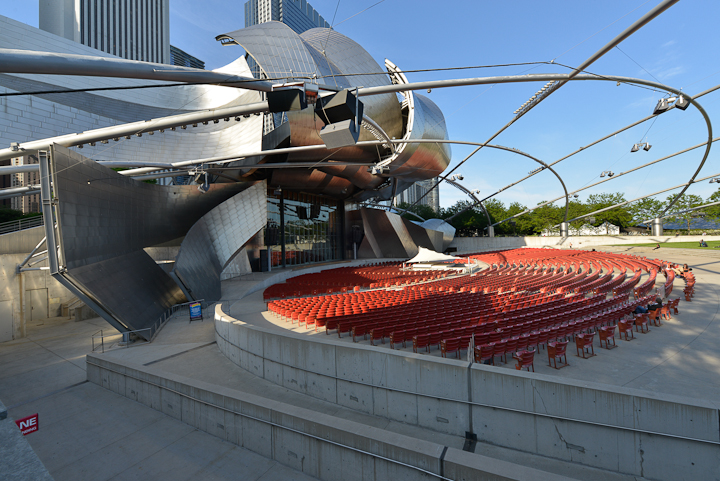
423 161
349 57
105 220
216 238
278 50
312 181
440 225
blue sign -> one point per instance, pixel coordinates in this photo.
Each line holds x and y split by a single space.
196 311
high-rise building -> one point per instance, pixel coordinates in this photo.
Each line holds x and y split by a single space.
131 29
27 203
417 190
181 57
296 14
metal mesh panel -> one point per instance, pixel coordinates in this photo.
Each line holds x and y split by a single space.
105 220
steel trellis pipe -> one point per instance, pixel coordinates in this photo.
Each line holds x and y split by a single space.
616 176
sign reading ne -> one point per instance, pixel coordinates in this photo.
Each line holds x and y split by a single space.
28 425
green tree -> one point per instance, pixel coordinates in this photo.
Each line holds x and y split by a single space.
467 218
523 224
619 216
7 214
713 212
645 209
546 217
686 201
424 211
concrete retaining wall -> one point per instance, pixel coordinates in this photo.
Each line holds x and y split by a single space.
316 444
16 296
467 245
618 429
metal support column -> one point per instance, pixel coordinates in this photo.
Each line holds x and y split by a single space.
47 209
491 231
282 230
656 227
564 229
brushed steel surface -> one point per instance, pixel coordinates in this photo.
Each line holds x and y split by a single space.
106 219
447 231
215 240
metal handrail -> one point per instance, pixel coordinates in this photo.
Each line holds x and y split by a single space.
21 224
154 329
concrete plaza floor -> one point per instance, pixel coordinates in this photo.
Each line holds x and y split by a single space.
90 433
87 432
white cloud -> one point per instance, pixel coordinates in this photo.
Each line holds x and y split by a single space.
672 72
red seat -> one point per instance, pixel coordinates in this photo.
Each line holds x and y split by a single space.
625 326
583 342
607 334
450 345
641 320
557 350
525 359
484 353
420 341
499 349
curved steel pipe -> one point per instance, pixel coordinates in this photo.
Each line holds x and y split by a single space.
547 77
472 196
392 207
616 176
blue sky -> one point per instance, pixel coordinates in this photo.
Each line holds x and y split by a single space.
679 48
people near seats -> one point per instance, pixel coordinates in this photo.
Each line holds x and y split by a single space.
657 305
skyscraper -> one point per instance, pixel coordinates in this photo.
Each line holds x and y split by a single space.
296 14
131 29
181 57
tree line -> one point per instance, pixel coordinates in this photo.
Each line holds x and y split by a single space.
470 220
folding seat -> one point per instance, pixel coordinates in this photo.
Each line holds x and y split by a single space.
420 341
499 349
483 353
641 320
436 338
583 342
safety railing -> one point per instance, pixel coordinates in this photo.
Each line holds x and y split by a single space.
148 333
20 224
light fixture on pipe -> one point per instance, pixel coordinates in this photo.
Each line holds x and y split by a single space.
609 173
661 106
682 103
645 146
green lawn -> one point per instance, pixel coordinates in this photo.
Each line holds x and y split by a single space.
674 245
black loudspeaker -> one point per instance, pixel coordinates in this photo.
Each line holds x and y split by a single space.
357 234
302 212
285 100
264 260
272 235
338 107
315 211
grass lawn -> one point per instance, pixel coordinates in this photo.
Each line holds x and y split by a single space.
674 245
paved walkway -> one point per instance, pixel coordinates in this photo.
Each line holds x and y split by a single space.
87 432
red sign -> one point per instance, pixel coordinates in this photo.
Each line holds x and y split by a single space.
28 425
